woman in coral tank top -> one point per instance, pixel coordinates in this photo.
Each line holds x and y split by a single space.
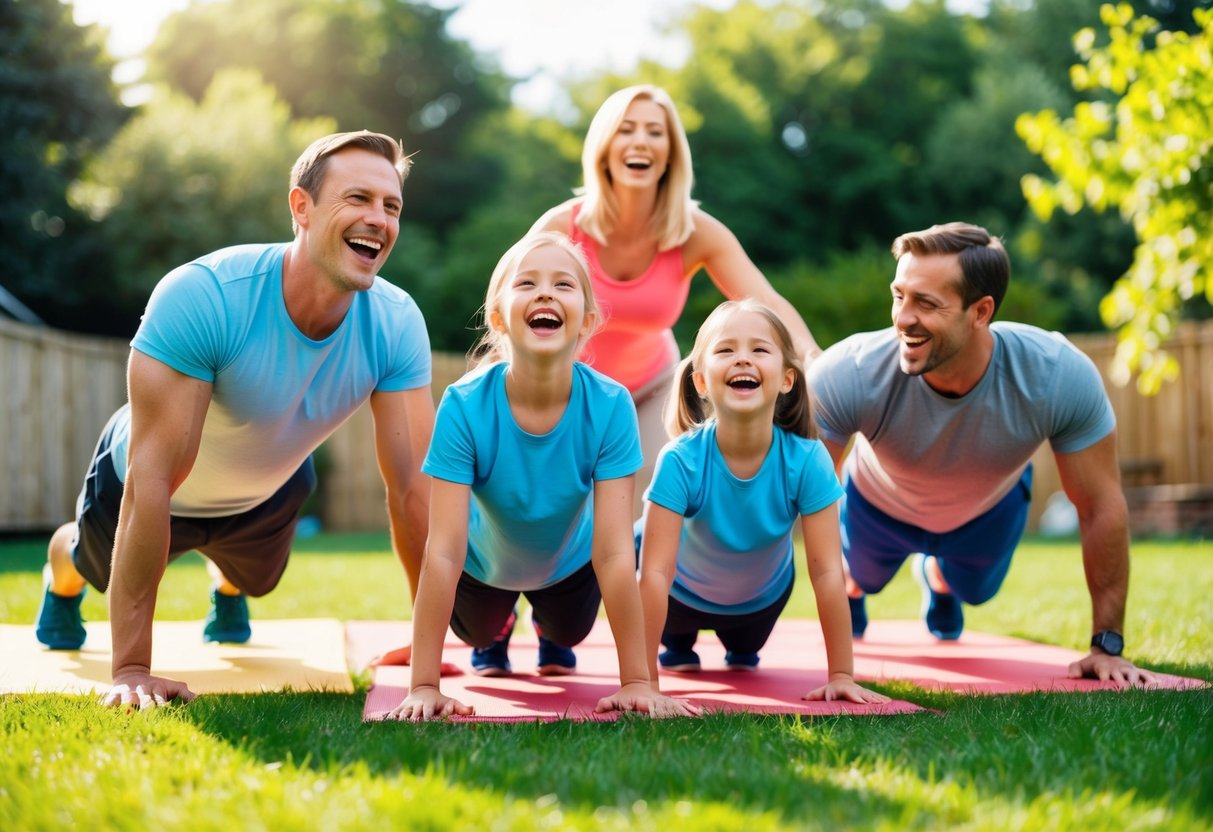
645 238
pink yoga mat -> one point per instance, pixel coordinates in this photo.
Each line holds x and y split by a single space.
793 663
526 697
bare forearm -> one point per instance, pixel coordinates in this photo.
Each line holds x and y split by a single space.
834 614
1105 557
655 598
140 554
431 617
408 522
621 597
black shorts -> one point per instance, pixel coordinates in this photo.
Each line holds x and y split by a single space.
251 548
564 612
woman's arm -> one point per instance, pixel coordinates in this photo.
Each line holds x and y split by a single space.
714 247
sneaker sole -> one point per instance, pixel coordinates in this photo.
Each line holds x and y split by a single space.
741 668
556 670
683 668
491 671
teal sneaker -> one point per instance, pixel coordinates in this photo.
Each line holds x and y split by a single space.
60 626
227 621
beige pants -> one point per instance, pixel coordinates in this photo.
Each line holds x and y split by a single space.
650 403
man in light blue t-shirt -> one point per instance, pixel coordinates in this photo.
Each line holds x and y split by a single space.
245 361
946 410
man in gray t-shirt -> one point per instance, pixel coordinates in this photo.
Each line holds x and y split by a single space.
946 410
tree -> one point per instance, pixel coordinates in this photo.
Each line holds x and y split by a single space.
1147 154
185 178
57 107
382 65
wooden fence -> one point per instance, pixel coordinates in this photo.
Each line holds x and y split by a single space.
56 392
59 389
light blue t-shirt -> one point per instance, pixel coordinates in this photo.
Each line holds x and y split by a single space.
736 552
531 513
938 462
277 394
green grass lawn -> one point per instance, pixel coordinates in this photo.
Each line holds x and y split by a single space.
305 761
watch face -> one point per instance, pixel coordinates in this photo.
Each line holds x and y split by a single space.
1110 642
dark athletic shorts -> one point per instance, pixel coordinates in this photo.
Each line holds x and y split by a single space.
250 548
564 612
744 633
974 558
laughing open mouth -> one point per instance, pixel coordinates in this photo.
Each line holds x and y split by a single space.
544 320
743 383
365 246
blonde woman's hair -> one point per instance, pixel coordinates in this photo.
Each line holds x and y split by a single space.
494 346
673 215
686 410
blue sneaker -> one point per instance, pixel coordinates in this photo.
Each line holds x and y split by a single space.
555 659
227 621
60 625
741 661
943 611
859 615
494 660
679 661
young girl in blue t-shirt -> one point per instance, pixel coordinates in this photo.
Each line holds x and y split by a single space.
716 547
532 460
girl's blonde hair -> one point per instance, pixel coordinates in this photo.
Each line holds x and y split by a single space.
673 215
686 410
494 346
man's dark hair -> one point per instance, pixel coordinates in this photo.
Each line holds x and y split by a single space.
984 264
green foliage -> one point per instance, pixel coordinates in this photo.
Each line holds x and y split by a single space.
1148 156
383 65
57 107
185 178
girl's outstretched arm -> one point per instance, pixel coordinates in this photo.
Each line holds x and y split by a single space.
823 551
614 558
658 557
445 553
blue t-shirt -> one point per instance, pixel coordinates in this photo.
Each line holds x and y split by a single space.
531 512
277 394
736 554
937 462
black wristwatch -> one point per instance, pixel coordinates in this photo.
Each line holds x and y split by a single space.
1109 641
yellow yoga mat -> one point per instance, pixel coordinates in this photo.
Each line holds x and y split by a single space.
300 654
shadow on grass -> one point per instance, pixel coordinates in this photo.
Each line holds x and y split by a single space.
751 764
1152 745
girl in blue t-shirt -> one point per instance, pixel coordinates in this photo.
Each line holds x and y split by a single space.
532 462
716 548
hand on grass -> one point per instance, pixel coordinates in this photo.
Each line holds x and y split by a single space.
425 703
842 687
1105 668
639 696
142 690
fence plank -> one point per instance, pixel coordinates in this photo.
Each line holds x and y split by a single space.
60 388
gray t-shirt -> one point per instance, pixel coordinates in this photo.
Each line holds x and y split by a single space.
938 462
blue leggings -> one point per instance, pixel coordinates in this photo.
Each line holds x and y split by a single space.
974 558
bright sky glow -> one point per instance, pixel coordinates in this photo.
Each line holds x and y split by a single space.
541 40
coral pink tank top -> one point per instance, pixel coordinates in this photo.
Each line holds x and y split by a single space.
635 343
